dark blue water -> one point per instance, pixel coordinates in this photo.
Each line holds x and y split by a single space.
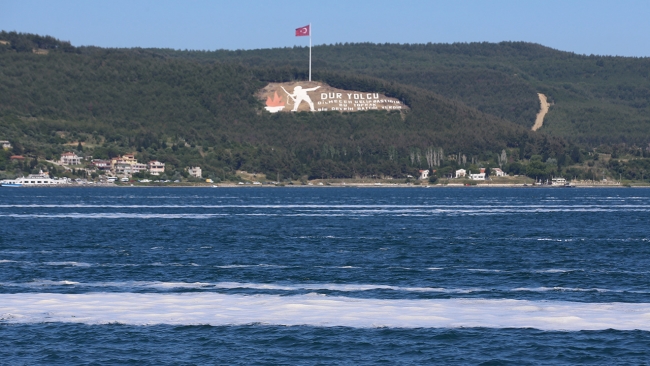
324 276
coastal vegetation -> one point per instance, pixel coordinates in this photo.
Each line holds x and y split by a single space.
471 104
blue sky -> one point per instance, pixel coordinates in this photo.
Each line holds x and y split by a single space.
588 27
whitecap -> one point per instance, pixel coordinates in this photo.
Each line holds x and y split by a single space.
318 310
74 264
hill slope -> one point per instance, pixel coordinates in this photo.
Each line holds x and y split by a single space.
595 99
185 112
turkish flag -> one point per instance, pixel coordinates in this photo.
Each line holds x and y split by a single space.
303 31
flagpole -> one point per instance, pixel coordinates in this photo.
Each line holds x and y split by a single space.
309 51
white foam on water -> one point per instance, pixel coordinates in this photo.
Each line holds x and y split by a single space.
113 215
227 266
573 289
237 266
44 283
553 270
320 207
428 213
167 286
319 310
73 264
484 270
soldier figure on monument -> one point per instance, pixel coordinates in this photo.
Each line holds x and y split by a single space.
299 95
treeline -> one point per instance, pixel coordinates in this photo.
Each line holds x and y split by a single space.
25 42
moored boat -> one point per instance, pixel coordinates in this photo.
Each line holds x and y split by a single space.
33 180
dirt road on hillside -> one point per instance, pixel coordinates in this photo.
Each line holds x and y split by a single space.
544 105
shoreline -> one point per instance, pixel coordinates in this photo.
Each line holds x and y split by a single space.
336 185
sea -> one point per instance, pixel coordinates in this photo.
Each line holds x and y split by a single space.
324 276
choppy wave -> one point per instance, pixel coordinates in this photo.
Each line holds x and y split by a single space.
69 263
325 213
319 310
320 207
207 286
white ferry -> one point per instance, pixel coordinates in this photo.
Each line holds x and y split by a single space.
33 180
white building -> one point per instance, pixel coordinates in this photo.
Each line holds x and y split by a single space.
498 172
155 167
128 169
460 173
479 176
70 158
194 171
100 164
5 144
123 168
125 159
138 167
424 174
558 181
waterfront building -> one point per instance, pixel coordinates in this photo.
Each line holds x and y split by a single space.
558 181
69 158
103 165
498 172
128 169
194 171
124 159
479 176
155 167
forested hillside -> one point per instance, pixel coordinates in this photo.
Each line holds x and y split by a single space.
199 108
595 99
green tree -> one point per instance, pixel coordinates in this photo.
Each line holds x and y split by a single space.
536 168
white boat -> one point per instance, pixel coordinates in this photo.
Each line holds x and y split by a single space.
33 180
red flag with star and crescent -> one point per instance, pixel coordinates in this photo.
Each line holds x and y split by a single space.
302 31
